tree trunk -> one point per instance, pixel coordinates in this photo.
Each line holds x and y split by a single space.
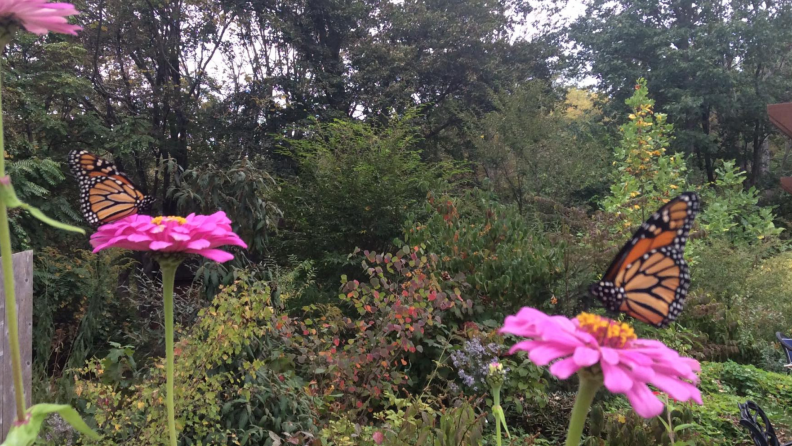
761 156
705 126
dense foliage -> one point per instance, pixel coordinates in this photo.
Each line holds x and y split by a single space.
405 175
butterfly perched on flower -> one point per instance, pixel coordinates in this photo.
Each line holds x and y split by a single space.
106 194
649 278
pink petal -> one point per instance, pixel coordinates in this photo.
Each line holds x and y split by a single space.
609 355
124 244
692 363
545 354
199 244
551 331
523 346
217 255
564 323
676 368
585 357
628 356
40 17
523 323
138 238
159 245
564 368
616 378
677 389
643 401
641 373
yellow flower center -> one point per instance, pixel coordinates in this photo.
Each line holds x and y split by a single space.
159 220
608 332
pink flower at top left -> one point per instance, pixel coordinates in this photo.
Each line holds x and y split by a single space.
196 234
38 16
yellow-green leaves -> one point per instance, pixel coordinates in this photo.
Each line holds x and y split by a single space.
25 434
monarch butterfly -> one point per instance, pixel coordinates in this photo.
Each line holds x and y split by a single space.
649 278
106 194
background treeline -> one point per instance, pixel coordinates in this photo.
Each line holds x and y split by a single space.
429 142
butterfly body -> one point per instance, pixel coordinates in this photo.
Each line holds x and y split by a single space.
106 194
649 278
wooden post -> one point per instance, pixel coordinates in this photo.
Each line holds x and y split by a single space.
23 286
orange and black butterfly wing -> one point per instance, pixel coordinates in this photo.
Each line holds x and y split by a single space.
654 287
106 194
107 199
87 165
649 278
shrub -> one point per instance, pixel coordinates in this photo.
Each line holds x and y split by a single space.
75 309
404 315
510 260
529 146
525 386
738 301
234 383
244 190
457 425
357 182
733 212
727 384
645 176
412 421
723 386
628 429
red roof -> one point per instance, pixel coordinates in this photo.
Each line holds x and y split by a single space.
781 116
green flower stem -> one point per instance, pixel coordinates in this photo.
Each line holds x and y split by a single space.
496 404
8 281
168 276
10 307
2 137
589 385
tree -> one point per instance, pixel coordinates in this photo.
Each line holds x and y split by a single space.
646 177
534 145
357 184
148 65
374 60
713 65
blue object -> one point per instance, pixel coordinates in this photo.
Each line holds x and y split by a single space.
753 418
787 344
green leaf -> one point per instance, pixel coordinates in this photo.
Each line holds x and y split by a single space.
685 426
500 417
664 423
25 435
54 223
8 195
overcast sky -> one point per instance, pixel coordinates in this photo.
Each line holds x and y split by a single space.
572 10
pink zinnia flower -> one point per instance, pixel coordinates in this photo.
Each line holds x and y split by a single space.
38 16
627 364
196 234
378 437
